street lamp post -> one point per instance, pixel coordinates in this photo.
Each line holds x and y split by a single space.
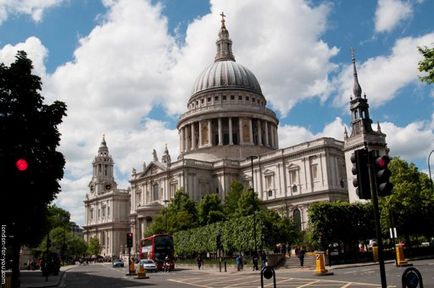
253 195
429 170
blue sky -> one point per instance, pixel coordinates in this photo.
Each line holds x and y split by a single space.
126 67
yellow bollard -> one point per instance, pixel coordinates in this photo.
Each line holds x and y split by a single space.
320 264
375 253
400 258
141 274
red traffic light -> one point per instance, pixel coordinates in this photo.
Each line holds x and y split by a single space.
382 162
21 165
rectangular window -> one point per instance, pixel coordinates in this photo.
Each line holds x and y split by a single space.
315 171
268 182
293 177
108 211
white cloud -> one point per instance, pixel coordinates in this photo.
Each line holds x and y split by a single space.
419 134
35 8
389 13
381 77
35 50
292 135
270 49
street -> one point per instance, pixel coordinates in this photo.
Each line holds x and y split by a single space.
103 275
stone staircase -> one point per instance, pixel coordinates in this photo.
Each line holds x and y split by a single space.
294 262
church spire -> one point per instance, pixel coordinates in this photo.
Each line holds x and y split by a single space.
357 90
103 149
224 44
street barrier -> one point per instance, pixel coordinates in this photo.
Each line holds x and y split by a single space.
320 264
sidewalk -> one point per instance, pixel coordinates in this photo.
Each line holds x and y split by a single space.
34 279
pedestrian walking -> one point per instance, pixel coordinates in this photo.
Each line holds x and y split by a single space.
199 261
255 262
238 262
301 253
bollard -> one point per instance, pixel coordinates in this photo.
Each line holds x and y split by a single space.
320 264
411 278
400 258
141 274
375 253
268 272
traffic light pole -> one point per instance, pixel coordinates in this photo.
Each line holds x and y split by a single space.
373 186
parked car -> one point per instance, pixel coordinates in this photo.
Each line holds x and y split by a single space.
148 265
118 263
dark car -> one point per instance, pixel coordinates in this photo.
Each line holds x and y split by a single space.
118 263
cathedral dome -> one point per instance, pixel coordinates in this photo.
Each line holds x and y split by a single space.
226 74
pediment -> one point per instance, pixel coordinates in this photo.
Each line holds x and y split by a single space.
154 167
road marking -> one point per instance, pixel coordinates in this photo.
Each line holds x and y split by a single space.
347 285
308 284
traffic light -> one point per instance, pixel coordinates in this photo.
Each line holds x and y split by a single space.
361 170
219 241
382 174
129 240
22 164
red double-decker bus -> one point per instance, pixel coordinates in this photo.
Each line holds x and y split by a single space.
158 247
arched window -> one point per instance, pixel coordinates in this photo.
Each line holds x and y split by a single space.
296 216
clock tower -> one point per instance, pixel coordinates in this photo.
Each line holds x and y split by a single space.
102 180
106 206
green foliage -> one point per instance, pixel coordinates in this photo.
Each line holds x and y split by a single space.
210 209
93 248
237 235
28 129
181 214
336 222
427 64
232 197
248 203
64 241
411 203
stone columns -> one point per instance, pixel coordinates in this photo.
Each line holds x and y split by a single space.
181 140
200 134
193 140
251 130
231 140
240 128
209 133
259 131
267 140
220 131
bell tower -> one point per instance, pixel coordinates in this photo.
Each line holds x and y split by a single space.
102 178
362 133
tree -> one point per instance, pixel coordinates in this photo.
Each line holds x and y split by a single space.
427 64
210 209
181 215
248 203
412 202
232 197
93 248
340 222
28 130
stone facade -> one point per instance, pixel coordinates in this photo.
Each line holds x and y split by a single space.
106 206
227 134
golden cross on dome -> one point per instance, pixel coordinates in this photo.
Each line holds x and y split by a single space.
223 17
